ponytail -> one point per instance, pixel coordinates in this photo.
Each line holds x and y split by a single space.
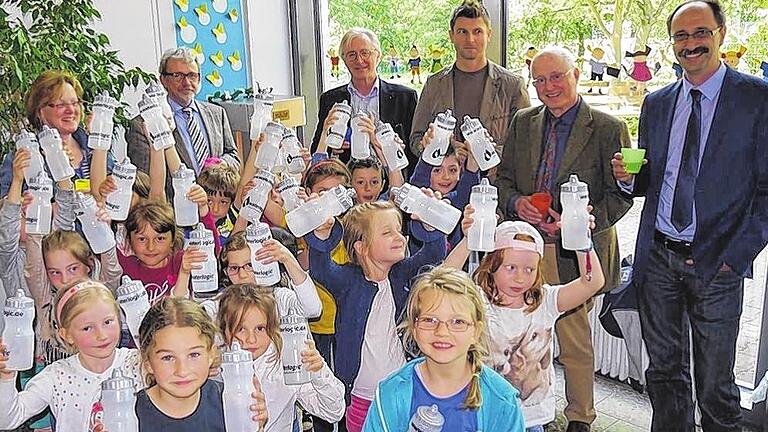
474 396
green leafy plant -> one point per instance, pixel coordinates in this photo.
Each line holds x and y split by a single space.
54 34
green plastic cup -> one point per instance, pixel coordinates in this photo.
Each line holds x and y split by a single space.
633 158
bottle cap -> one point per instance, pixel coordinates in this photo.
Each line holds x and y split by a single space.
24 138
129 287
573 185
118 381
19 301
49 134
104 100
274 128
236 354
399 193
265 175
200 232
84 201
286 183
447 118
147 103
485 187
383 128
265 97
428 418
183 173
155 90
470 125
41 181
258 232
345 196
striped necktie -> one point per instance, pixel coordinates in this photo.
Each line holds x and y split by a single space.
196 138
545 177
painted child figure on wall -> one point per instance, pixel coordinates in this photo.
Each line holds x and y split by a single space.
597 66
436 54
733 57
414 63
333 55
394 61
640 70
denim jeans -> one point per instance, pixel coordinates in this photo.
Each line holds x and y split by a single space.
673 301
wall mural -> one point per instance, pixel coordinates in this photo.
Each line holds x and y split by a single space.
214 30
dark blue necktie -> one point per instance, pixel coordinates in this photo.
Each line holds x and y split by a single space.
682 206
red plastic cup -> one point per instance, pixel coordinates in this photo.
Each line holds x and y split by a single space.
542 201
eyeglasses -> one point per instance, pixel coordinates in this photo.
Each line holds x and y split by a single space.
235 269
698 34
61 106
456 325
363 54
555 78
179 76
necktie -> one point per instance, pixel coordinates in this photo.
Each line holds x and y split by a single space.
682 206
196 138
546 175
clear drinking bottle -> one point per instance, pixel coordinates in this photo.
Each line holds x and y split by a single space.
262 113
293 329
18 335
479 144
267 152
118 402
157 125
393 154
281 161
338 129
55 157
426 419
38 217
96 231
134 301
185 209
28 140
360 141
289 192
255 235
314 213
292 149
437 147
574 196
256 200
102 122
158 93
237 374
118 202
205 279
436 213
484 199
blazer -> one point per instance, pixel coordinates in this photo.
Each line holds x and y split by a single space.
504 93
220 139
396 106
731 192
595 137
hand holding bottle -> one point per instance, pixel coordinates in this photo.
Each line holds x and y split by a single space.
20 163
5 374
432 194
427 137
198 196
311 357
192 259
259 406
274 251
107 186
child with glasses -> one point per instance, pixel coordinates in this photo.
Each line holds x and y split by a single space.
521 310
446 321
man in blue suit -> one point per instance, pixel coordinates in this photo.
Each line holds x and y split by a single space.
705 183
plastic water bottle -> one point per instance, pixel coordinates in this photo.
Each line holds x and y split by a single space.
426 419
293 329
262 113
267 153
289 192
119 145
281 161
18 335
185 209
134 300
118 400
360 141
338 129
256 200
479 144
38 218
97 232
55 157
102 122
574 196
314 213
158 93
292 148
28 140
436 213
119 202
237 373
484 199
393 154
255 235
157 125
435 150
206 279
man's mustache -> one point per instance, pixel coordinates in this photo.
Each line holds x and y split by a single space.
698 50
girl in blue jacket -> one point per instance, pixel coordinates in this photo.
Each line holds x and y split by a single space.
446 320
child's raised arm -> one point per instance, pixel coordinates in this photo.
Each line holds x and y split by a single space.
98 173
17 407
306 292
590 281
157 173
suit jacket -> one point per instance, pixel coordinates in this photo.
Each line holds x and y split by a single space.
220 139
595 137
731 192
504 93
396 106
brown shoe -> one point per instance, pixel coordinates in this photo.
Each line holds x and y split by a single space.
577 426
